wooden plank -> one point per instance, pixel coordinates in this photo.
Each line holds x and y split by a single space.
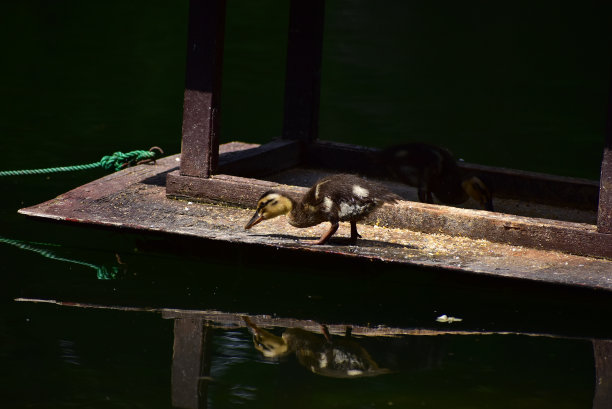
574 238
303 75
568 237
201 107
233 190
530 186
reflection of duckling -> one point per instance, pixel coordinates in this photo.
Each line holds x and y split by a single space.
434 170
336 358
334 199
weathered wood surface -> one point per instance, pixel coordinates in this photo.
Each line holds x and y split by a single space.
135 198
201 106
604 216
576 238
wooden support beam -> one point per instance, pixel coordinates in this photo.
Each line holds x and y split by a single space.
604 214
303 76
200 145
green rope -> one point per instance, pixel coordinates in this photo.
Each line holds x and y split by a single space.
116 161
102 272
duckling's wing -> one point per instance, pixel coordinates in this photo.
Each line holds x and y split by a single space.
350 197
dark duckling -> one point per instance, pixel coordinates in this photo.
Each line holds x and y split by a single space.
434 172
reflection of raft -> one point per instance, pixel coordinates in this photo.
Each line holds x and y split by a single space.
193 335
336 357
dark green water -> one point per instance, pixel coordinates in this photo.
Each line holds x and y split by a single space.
515 85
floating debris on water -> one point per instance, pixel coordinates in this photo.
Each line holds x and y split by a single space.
446 318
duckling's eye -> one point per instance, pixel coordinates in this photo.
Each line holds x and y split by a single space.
264 204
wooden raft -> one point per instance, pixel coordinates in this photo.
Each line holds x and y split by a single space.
135 198
547 228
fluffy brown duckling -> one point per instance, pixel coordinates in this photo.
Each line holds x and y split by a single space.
434 172
337 357
332 199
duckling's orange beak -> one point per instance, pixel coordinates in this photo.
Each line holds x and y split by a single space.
254 220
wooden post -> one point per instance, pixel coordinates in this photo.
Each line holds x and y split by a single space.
604 213
200 145
303 76
190 363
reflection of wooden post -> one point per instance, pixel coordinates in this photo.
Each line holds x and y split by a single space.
190 363
603 374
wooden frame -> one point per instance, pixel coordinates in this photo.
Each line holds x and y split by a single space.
233 180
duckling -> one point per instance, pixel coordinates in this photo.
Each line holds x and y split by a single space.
333 199
434 172
327 356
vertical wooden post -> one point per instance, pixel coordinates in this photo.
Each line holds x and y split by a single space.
604 213
190 363
303 76
200 145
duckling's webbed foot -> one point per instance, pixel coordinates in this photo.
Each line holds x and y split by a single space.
354 233
328 234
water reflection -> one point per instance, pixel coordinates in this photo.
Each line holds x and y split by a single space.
102 272
227 359
413 357
336 357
